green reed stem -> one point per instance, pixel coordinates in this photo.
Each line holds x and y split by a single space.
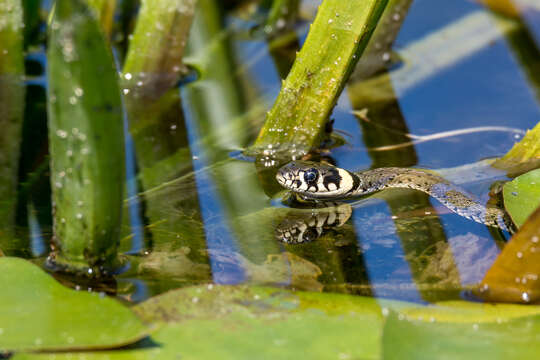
11 112
336 39
154 60
86 138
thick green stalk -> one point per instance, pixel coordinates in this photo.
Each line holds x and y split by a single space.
283 14
105 13
378 52
337 37
11 111
152 69
154 59
86 138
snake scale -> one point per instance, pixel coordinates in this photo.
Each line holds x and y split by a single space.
319 181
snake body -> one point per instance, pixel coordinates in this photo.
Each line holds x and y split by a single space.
326 182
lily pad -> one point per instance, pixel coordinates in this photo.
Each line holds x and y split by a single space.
404 338
37 313
522 196
240 322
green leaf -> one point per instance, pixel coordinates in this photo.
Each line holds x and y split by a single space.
522 196
404 338
240 322
37 313
86 137
225 322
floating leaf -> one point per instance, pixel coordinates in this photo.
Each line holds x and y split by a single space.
37 313
240 322
514 277
404 338
522 196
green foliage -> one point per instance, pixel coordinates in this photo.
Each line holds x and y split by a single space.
11 112
86 138
427 339
240 322
339 34
37 313
104 10
522 196
157 47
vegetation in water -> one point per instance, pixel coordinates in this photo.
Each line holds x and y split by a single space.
139 212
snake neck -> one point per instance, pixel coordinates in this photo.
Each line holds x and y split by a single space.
451 196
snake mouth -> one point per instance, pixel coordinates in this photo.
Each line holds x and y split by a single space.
287 178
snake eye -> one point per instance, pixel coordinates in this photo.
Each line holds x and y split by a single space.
311 175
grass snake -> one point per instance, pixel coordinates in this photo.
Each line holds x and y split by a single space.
318 181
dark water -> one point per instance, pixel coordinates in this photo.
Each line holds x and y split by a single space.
199 212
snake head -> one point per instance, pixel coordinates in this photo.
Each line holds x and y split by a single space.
314 180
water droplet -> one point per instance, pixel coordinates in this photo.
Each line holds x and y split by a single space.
79 216
127 76
519 254
72 100
125 91
525 297
79 92
61 133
